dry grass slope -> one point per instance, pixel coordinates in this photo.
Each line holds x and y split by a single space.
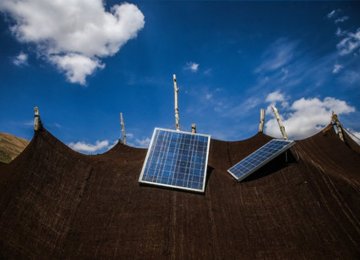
10 147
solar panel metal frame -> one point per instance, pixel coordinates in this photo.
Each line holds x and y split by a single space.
175 186
271 157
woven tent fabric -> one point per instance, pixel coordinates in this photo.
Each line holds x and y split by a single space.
57 203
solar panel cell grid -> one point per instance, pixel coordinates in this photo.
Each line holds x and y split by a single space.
176 159
259 158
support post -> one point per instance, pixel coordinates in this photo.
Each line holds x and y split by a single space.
193 128
337 126
176 91
123 133
281 126
262 120
37 122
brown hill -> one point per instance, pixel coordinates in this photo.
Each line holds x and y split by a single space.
10 147
56 203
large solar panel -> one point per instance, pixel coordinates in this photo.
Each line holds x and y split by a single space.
259 158
176 159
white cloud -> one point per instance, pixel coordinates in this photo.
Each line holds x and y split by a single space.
129 135
21 59
90 148
354 135
145 142
192 66
137 142
357 137
336 16
332 14
275 97
307 116
299 69
337 68
350 43
77 33
341 19
208 96
76 67
340 32
350 40
280 53
112 145
357 134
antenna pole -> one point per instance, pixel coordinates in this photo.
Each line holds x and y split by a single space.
176 91
123 133
262 120
37 122
281 126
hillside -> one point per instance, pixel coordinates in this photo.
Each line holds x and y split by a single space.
10 147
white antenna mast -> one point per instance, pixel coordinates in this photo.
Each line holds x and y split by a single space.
123 133
262 120
281 126
176 91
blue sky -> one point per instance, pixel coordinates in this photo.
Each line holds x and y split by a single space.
84 63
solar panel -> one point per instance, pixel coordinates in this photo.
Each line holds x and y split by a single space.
259 158
176 159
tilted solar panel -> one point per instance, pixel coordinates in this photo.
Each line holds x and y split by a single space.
259 158
176 159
